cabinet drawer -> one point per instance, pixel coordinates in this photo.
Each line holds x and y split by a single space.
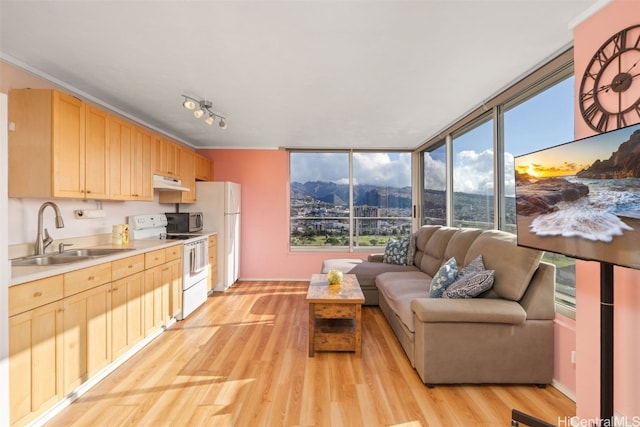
87 278
154 258
174 252
335 311
34 294
127 266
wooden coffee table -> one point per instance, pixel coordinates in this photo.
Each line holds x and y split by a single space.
335 314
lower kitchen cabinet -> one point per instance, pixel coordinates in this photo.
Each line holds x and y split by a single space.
174 271
35 361
156 301
87 335
126 313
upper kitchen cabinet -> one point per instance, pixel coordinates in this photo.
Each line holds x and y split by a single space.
166 156
58 148
131 161
188 178
204 168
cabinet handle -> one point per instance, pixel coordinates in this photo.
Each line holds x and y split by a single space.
37 294
114 289
90 277
61 309
130 266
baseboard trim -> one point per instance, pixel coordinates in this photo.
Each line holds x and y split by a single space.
564 390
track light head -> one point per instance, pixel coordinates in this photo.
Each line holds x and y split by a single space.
222 124
209 120
189 104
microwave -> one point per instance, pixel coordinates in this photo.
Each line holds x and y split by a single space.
184 222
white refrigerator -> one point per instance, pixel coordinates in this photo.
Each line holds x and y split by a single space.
219 203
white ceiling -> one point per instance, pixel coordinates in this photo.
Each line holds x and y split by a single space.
308 74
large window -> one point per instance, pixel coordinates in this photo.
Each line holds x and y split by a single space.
434 196
531 124
475 187
349 199
473 181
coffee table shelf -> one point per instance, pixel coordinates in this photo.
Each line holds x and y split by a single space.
335 315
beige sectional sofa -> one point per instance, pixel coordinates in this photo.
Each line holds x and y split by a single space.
504 335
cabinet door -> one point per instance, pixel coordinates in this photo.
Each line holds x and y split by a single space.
126 313
188 177
87 335
141 164
174 270
120 149
152 299
204 168
96 154
35 361
68 132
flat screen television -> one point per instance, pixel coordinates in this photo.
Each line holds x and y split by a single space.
582 198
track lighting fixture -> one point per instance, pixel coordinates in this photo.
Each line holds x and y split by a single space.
203 108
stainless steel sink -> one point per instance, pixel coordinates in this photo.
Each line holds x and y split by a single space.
67 257
48 260
96 252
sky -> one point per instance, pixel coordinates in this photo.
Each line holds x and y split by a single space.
540 122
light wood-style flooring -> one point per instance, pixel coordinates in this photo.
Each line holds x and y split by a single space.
242 360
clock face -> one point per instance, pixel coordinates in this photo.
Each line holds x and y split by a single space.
610 88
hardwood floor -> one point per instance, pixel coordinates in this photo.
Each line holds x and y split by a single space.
242 360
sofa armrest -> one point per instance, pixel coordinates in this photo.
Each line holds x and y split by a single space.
375 258
477 310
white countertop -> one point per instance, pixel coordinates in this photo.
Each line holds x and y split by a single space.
28 273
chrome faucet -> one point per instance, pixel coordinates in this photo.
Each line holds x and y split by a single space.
44 240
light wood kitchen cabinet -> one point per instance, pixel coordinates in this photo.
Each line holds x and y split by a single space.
188 177
156 291
35 348
173 271
204 168
95 165
142 175
127 309
87 323
59 147
166 156
126 313
87 335
212 280
131 161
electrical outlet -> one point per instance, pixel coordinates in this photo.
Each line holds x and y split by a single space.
573 357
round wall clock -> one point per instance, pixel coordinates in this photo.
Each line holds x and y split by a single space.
610 89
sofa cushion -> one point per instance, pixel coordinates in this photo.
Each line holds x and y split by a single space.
396 251
471 285
400 288
514 265
479 310
342 264
367 271
434 250
460 242
445 276
423 235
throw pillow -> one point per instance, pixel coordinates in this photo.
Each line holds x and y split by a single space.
471 285
444 277
411 252
396 251
474 267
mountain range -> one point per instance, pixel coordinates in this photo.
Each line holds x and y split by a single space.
364 194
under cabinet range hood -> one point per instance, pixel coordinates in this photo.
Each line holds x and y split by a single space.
165 183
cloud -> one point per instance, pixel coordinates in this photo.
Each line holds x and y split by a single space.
473 172
385 169
435 176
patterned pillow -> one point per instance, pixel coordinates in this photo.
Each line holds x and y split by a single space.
471 285
445 276
411 252
396 251
474 267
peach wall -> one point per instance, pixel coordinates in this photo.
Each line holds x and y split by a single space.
265 254
564 370
588 37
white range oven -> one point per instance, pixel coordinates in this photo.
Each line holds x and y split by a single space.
195 258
